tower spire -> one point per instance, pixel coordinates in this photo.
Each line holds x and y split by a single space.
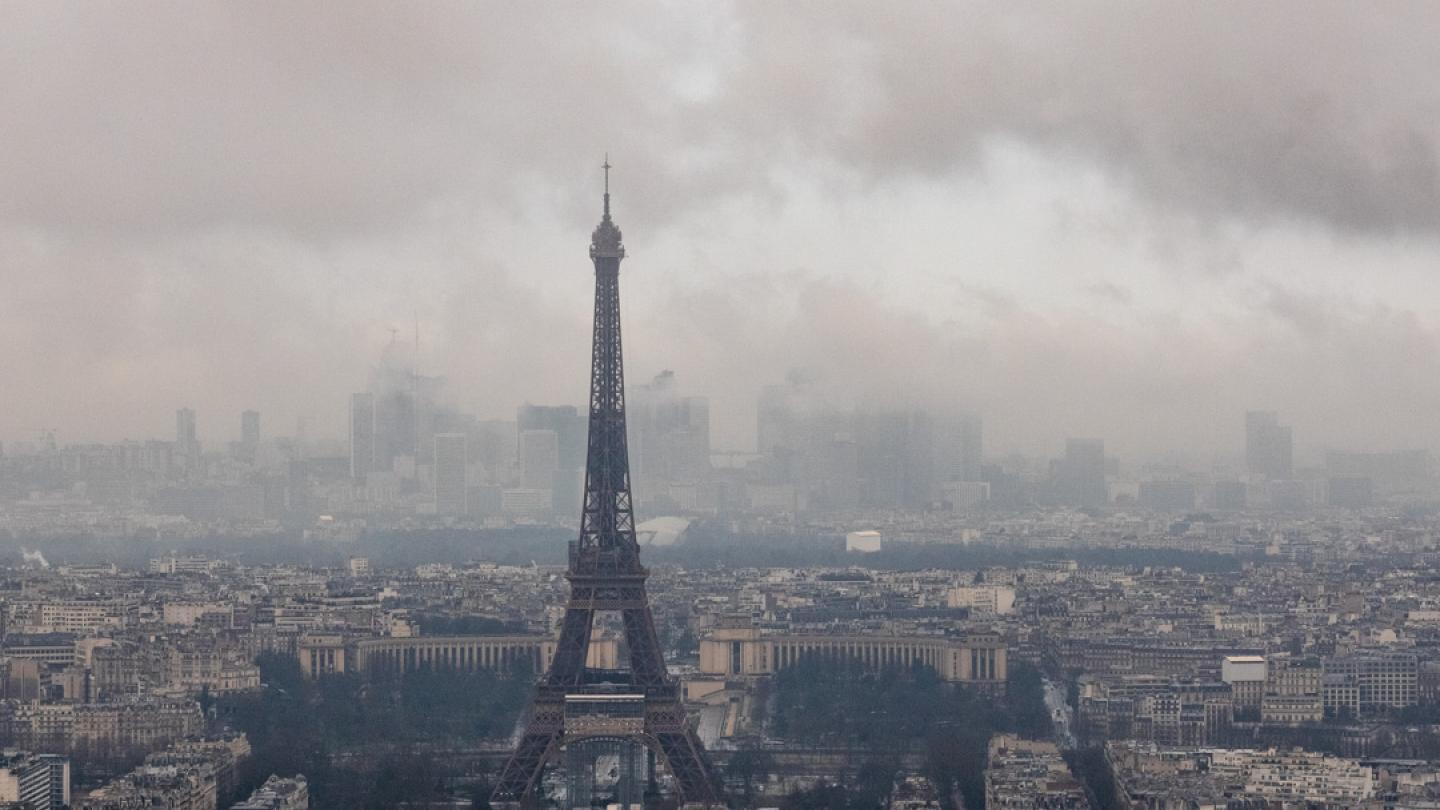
606 167
605 242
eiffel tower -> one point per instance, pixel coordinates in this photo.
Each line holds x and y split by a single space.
575 704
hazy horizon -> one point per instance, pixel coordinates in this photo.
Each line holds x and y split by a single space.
1069 221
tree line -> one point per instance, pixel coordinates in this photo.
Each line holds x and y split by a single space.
830 704
361 744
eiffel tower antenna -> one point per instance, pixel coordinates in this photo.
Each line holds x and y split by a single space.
580 711
607 167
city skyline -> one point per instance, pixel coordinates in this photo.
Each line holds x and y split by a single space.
1231 451
1029 406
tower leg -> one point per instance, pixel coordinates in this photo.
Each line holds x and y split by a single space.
686 760
521 777
519 782
573 646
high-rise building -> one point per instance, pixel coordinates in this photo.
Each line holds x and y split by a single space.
539 458
957 443
38 781
874 457
405 411
1402 471
568 425
450 481
1352 492
1268 447
395 436
808 445
1080 476
185 427
494 445
773 415
249 447
362 435
187 446
895 458
1229 495
59 766
1167 495
669 438
784 414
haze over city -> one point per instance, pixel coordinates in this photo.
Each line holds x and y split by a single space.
1071 221
1020 406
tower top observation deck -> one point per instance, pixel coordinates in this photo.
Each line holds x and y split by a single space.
605 242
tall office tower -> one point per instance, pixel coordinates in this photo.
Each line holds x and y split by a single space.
405 414
187 446
568 425
1229 495
1269 451
450 480
895 455
958 448
808 443
392 390
59 767
593 717
669 435
1080 477
772 419
494 447
39 781
184 427
782 413
249 436
539 458
362 435
830 467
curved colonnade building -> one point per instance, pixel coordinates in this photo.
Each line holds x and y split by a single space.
977 659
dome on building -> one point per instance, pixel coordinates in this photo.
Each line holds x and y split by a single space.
661 531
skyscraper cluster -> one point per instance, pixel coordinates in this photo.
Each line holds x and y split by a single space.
1080 475
1269 448
393 423
404 447
187 446
669 442
826 457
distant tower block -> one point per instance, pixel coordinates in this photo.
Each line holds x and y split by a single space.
451 459
359 566
866 542
249 436
596 716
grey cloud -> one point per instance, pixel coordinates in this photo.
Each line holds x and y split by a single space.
993 301
229 204
1110 292
305 116
1354 377
1319 111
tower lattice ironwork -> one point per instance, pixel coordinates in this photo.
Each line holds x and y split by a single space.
605 574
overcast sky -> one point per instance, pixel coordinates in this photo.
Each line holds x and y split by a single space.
1132 221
